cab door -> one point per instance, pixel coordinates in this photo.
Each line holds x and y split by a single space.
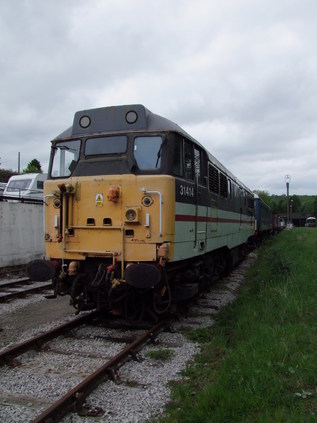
213 185
201 200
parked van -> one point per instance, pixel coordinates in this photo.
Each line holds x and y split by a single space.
28 186
2 187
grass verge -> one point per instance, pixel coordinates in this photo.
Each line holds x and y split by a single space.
258 363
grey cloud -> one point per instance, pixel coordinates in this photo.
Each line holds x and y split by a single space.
238 76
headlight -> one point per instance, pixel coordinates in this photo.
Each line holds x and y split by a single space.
133 214
130 215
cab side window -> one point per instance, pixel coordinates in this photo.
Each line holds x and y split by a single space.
178 168
188 161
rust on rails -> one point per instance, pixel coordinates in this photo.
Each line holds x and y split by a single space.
9 271
74 400
5 283
17 294
8 354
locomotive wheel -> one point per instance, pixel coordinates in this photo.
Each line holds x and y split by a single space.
134 304
219 267
160 305
162 296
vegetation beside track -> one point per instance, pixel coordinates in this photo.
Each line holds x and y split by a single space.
258 363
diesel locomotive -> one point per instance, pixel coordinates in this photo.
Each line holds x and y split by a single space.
139 216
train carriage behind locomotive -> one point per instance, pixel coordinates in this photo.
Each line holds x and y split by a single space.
266 222
138 215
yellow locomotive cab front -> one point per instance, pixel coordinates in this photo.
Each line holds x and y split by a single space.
118 217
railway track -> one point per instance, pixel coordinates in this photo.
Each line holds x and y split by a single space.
74 399
10 271
8 354
17 288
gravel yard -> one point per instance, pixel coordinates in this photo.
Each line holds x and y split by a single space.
21 318
140 391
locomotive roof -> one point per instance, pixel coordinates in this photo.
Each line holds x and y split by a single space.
129 118
115 119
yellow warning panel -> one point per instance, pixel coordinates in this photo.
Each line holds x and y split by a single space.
99 200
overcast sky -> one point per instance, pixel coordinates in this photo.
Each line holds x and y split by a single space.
239 75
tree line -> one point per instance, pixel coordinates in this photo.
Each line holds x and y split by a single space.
34 166
298 203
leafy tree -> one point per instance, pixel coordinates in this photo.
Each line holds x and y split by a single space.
314 209
282 205
296 203
309 204
265 196
33 167
5 174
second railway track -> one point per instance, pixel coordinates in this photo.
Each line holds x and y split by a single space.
18 288
46 352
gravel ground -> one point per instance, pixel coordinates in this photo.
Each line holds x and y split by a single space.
141 390
21 318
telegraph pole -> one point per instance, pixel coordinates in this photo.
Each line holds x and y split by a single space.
287 180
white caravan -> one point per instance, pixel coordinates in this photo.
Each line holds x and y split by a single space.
28 186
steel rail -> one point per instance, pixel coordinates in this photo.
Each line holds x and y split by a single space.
74 399
10 270
7 283
9 353
27 291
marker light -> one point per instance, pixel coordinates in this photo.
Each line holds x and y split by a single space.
131 116
84 121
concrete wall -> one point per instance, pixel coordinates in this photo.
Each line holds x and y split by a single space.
21 233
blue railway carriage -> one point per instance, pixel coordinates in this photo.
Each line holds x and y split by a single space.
138 215
266 222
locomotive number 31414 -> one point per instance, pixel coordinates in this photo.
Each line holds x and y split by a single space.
187 191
